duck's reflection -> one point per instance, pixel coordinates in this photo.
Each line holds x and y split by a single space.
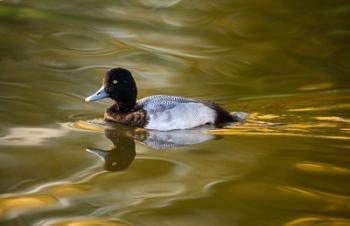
122 153
123 139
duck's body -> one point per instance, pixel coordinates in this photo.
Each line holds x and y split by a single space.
165 113
159 112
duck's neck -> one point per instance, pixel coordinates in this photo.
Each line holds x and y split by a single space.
126 105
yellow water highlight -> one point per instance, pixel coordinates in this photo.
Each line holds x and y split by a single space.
267 116
300 126
13 206
16 204
92 126
264 133
322 168
317 86
64 190
319 221
89 222
256 126
331 202
332 118
321 108
346 130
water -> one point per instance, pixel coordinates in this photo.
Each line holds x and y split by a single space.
284 62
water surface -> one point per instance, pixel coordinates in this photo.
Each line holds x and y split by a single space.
284 62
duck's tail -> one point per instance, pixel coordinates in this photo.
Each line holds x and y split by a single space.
240 116
224 117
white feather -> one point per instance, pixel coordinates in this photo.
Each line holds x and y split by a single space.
181 116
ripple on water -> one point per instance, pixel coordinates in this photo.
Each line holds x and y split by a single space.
158 190
185 45
76 117
68 190
158 4
327 119
27 136
11 207
319 221
83 222
95 125
80 41
323 168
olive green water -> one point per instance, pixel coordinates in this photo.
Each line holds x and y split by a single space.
287 63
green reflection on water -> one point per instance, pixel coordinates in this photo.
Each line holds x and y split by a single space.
284 62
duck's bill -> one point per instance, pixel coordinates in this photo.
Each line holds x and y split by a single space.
100 94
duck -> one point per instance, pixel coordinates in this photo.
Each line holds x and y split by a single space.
159 112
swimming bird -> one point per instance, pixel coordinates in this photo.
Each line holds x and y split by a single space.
160 112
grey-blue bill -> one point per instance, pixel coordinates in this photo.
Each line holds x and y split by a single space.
100 94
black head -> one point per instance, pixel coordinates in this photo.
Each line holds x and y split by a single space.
119 82
119 85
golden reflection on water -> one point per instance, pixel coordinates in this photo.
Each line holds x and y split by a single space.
317 86
266 128
332 118
13 206
345 130
318 220
87 222
88 126
65 190
322 168
322 108
294 122
330 201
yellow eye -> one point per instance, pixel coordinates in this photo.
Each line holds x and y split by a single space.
115 82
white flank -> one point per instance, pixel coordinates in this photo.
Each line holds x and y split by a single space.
182 116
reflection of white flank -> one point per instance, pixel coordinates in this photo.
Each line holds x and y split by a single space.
30 135
175 139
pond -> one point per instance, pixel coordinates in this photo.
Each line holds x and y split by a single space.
285 63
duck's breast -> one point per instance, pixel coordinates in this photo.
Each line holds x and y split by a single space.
181 116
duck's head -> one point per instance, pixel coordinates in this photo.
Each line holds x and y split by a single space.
119 85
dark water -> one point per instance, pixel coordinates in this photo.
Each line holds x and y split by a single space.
284 62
